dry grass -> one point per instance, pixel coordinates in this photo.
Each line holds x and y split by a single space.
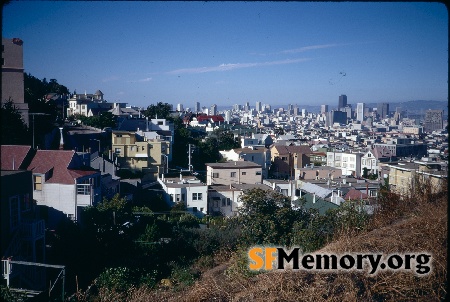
413 225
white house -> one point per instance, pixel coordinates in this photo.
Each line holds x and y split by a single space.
226 199
60 182
349 163
188 190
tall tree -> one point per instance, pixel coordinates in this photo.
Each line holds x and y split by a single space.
14 131
160 110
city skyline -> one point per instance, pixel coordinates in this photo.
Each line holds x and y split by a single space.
229 53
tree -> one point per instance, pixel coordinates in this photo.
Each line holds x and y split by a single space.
14 131
159 110
267 217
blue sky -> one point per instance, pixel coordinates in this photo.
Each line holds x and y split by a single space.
229 53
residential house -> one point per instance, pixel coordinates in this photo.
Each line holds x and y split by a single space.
234 172
260 156
284 187
404 177
226 199
23 234
62 183
285 159
318 172
349 163
137 153
186 189
372 158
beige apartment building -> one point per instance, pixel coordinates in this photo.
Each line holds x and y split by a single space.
137 153
233 172
404 177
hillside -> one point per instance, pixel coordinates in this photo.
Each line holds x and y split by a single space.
415 225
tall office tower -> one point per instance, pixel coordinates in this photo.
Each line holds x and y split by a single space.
180 107
213 110
247 106
335 116
258 107
236 107
342 102
290 107
348 110
267 108
360 111
433 120
304 112
383 110
12 75
296 111
197 107
323 108
227 116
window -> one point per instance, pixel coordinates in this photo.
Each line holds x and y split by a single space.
258 173
37 182
201 209
283 158
224 202
244 173
3 61
233 174
215 175
117 151
83 189
182 197
253 157
160 123
228 202
178 197
171 197
197 196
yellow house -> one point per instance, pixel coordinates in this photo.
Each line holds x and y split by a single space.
404 177
137 153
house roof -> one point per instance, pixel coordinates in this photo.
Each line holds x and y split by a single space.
319 204
57 164
303 149
214 118
354 194
381 151
234 164
13 154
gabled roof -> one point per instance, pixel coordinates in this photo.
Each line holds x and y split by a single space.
381 151
354 194
14 154
303 149
58 164
214 118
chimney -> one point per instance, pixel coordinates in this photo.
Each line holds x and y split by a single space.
61 141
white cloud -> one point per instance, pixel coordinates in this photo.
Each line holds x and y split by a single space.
312 47
110 79
231 66
145 80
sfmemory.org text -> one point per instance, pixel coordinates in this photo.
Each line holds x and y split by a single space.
270 258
